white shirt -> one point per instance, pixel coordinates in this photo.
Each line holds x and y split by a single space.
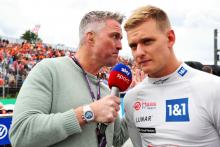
181 109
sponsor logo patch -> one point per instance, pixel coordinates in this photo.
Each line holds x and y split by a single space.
144 105
182 71
137 106
146 130
143 119
177 110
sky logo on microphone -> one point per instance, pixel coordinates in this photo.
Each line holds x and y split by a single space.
124 70
120 77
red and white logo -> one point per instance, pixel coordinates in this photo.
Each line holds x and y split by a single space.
121 77
144 105
137 105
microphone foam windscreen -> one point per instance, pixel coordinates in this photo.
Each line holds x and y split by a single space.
120 77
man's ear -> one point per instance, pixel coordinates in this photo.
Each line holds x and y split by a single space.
171 38
90 37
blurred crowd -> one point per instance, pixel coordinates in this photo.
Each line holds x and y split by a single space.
16 61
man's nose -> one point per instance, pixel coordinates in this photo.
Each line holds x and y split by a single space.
139 50
118 44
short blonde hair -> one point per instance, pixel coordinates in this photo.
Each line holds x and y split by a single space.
145 13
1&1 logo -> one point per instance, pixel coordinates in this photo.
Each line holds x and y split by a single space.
177 110
3 131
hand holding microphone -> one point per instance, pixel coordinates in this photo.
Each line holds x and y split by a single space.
119 80
106 109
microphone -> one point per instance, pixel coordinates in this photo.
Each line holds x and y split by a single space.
119 80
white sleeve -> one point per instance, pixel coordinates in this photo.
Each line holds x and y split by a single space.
214 108
132 129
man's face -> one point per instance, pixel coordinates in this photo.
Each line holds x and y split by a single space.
151 48
108 43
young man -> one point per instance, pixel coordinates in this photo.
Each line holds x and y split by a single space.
62 103
175 105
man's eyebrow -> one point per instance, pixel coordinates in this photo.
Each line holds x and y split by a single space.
132 44
142 40
146 39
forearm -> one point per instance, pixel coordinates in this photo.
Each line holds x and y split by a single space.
79 113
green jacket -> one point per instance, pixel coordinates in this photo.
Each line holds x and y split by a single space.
44 115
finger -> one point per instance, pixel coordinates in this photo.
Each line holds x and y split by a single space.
136 74
115 114
110 118
117 108
114 102
117 100
114 110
